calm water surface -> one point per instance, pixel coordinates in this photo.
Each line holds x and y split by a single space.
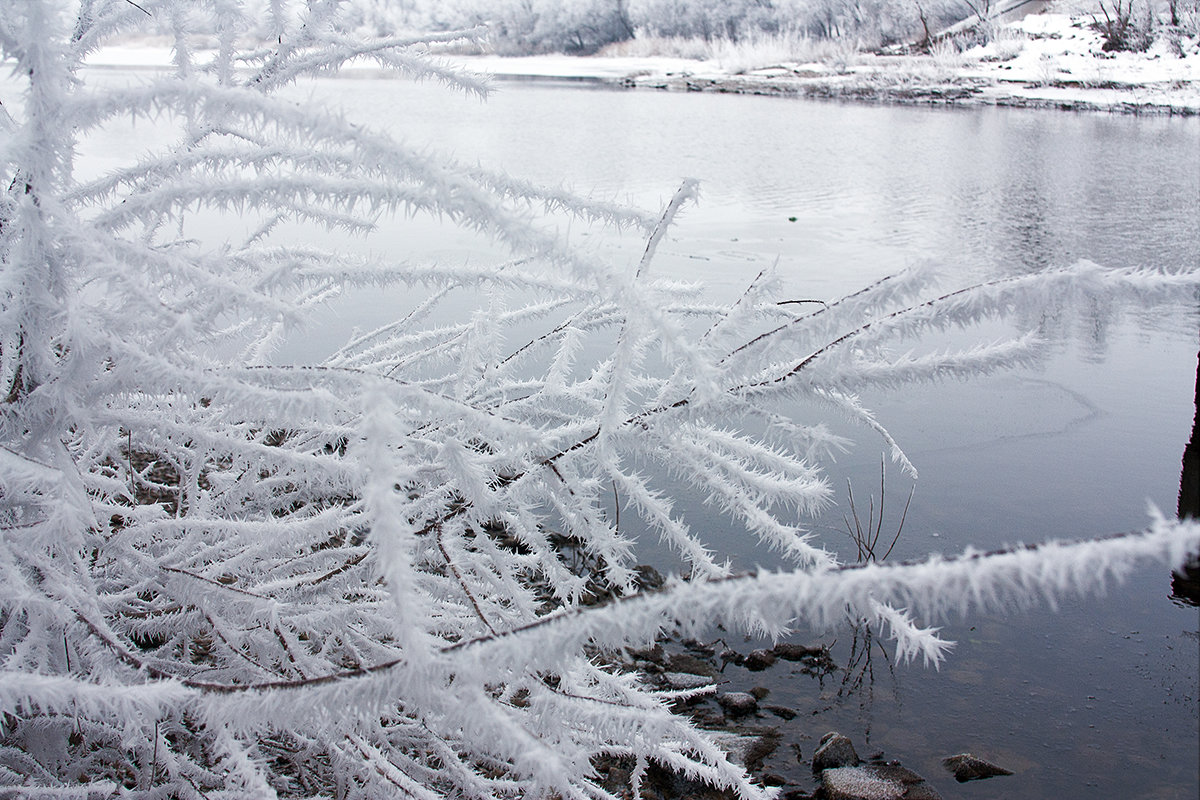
1097 700
1100 699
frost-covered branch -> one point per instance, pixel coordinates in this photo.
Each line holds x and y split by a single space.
386 573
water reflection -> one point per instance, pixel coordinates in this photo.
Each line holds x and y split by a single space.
858 675
858 678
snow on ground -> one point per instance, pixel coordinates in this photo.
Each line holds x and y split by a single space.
1057 57
599 68
137 53
1050 60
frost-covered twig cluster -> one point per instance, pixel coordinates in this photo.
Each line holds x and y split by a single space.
226 577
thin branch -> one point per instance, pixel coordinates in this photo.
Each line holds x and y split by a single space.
441 545
686 191
212 582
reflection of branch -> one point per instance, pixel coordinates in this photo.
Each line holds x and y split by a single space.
860 664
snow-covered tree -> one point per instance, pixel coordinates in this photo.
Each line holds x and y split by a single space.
540 26
868 21
224 576
526 26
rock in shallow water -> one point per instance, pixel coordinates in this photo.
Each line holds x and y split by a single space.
738 703
782 712
686 680
875 782
758 660
834 751
856 783
796 652
967 767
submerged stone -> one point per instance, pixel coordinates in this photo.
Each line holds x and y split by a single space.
757 660
766 744
796 652
967 767
783 712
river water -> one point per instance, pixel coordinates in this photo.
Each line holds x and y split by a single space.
1096 699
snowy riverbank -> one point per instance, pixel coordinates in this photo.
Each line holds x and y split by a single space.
1044 60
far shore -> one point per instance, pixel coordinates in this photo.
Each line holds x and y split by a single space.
1043 61
890 79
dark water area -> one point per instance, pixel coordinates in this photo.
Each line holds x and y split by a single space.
1096 698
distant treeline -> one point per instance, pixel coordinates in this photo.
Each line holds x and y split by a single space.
585 26
588 25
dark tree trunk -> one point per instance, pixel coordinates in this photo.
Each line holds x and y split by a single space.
1185 582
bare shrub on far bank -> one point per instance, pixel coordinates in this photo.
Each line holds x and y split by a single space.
1126 25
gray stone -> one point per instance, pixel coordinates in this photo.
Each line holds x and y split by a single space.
915 787
783 712
834 751
686 680
708 718
700 648
967 767
858 783
895 772
728 656
738 703
648 578
875 782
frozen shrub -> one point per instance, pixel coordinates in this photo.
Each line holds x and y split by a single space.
225 576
